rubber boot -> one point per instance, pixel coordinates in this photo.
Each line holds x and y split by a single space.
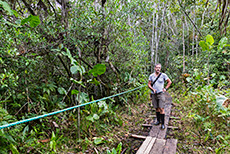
162 121
158 118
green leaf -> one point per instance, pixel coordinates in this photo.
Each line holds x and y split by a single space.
188 79
209 39
13 149
77 82
98 140
74 69
96 117
74 91
25 20
61 91
114 151
33 20
94 81
98 69
223 42
90 118
93 118
119 148
6 7
204 45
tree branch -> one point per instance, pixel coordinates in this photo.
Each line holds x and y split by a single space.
189 18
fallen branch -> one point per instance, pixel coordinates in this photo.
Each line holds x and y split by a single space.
172 127
138 136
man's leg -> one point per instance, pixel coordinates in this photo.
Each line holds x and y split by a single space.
156 106
162 117
158 116
161 98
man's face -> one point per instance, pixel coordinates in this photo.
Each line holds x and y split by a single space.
158 68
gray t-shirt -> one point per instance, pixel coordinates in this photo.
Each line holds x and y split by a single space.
159 84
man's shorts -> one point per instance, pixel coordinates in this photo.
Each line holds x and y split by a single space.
158 100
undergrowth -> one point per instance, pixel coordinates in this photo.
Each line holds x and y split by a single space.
205 122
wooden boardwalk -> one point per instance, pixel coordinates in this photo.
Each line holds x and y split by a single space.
156 142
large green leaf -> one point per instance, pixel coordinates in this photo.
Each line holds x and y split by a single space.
209 39
61 90
222 43
98 69
204 45
33 20
98 140
14 149
92 118
74 69
6 7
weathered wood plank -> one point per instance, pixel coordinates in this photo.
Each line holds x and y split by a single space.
150 146
154 131
144 145
170 146
158 146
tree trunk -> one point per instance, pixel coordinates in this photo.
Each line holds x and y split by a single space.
196 38
183 47
188 43
152 40
156 40
193 34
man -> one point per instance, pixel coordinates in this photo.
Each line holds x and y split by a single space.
157 90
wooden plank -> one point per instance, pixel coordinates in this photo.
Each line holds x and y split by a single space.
150 146
158 146
144 145
154 131
138 136
170 146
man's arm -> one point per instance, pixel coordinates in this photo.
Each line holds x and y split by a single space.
169 82
149 85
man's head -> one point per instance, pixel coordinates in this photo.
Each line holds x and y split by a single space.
157 68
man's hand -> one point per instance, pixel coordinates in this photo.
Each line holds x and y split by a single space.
164 90
154 90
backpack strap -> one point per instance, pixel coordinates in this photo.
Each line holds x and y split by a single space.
155 79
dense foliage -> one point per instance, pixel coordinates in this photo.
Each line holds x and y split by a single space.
57 54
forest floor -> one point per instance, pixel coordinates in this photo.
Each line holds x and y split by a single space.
134 114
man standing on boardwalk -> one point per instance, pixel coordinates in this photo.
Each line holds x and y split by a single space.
156 84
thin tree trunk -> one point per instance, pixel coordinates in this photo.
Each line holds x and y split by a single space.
188 42
157 37
183 47
78 114
196 37
156 40
152 40
208 65
193 34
